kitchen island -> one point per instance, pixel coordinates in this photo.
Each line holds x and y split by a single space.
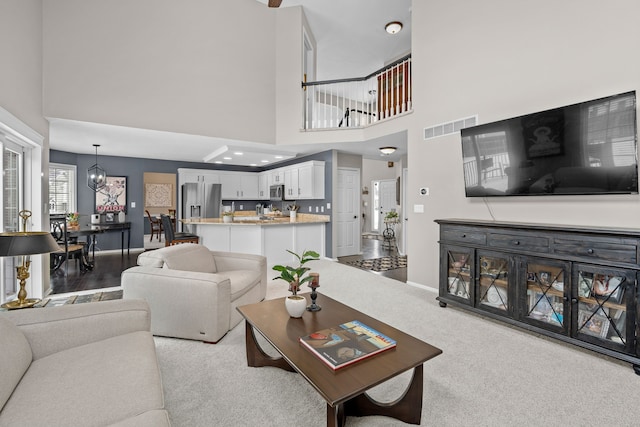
268 235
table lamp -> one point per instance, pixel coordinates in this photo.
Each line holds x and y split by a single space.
24 244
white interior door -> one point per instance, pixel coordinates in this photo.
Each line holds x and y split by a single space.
404 217
384 201
347 213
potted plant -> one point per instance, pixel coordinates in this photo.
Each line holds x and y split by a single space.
227 216
391 216
72 220
295 277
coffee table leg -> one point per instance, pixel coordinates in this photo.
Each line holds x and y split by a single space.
335 415
407 408
256 357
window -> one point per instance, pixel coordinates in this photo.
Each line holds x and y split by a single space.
21 183
62 188
12 190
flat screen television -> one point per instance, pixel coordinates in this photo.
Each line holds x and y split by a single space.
585 148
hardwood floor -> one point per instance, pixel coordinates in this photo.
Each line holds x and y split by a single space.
105 274
109 265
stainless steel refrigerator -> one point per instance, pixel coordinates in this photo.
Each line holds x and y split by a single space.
201 200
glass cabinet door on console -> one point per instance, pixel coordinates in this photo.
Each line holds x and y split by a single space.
604 308
493 284
546 300
459 273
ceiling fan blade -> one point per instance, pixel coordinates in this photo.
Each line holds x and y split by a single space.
274 3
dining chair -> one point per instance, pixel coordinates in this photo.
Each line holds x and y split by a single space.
173 238
156 227
69 247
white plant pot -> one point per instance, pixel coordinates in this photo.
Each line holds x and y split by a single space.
296 305
227 218
293 216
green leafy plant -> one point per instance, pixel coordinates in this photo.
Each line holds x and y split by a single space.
391 215
294 276
229 213
72 218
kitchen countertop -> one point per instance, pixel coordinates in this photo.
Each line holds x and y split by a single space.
250 218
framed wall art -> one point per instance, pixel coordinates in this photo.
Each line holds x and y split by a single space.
113 196
158 195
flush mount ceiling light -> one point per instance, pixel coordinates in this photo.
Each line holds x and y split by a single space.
387 150
393 27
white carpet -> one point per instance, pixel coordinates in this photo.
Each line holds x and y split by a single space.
489 374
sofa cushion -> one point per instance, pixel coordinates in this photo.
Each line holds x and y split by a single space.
15 358
241 281
94 384
186 257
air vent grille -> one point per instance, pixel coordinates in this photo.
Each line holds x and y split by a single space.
449 127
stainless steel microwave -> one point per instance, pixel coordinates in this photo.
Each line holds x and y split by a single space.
276 192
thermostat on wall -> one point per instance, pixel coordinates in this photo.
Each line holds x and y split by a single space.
424 191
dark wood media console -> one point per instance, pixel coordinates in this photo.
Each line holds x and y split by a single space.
576 284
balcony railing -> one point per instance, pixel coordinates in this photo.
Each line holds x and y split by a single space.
358 102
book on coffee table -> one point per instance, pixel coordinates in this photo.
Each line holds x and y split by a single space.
346 344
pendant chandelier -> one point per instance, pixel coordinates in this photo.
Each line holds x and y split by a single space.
96 175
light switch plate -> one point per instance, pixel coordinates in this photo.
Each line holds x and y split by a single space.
133 205
418 208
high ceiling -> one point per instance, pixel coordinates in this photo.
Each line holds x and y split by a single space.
351 42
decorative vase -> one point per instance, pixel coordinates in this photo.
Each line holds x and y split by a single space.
293 216
227 218
296 305
121 216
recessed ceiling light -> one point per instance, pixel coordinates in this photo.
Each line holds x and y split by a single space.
218 162
264 161
393 27
278 157
227 158
253 164
238 153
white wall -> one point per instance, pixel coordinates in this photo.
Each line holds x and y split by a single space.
21 53
199 67
504 58
21 102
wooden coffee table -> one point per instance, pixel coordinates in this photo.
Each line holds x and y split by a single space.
344 389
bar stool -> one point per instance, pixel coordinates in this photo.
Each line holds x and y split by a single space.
173 238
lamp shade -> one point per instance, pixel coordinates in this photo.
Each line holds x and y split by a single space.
26 243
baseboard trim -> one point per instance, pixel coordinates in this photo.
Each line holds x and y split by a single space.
421 286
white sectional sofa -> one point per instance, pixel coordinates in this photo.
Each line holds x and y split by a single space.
82 365
193 292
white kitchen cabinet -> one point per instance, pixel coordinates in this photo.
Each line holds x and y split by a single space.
304 181
249 185
276 176
239 185
291 189
195 175
311 180
263 185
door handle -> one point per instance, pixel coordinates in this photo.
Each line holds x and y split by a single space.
355 217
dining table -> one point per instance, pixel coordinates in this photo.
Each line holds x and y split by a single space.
90 231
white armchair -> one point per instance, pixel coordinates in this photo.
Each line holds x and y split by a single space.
193 292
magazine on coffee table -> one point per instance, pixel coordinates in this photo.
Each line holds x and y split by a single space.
346 344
